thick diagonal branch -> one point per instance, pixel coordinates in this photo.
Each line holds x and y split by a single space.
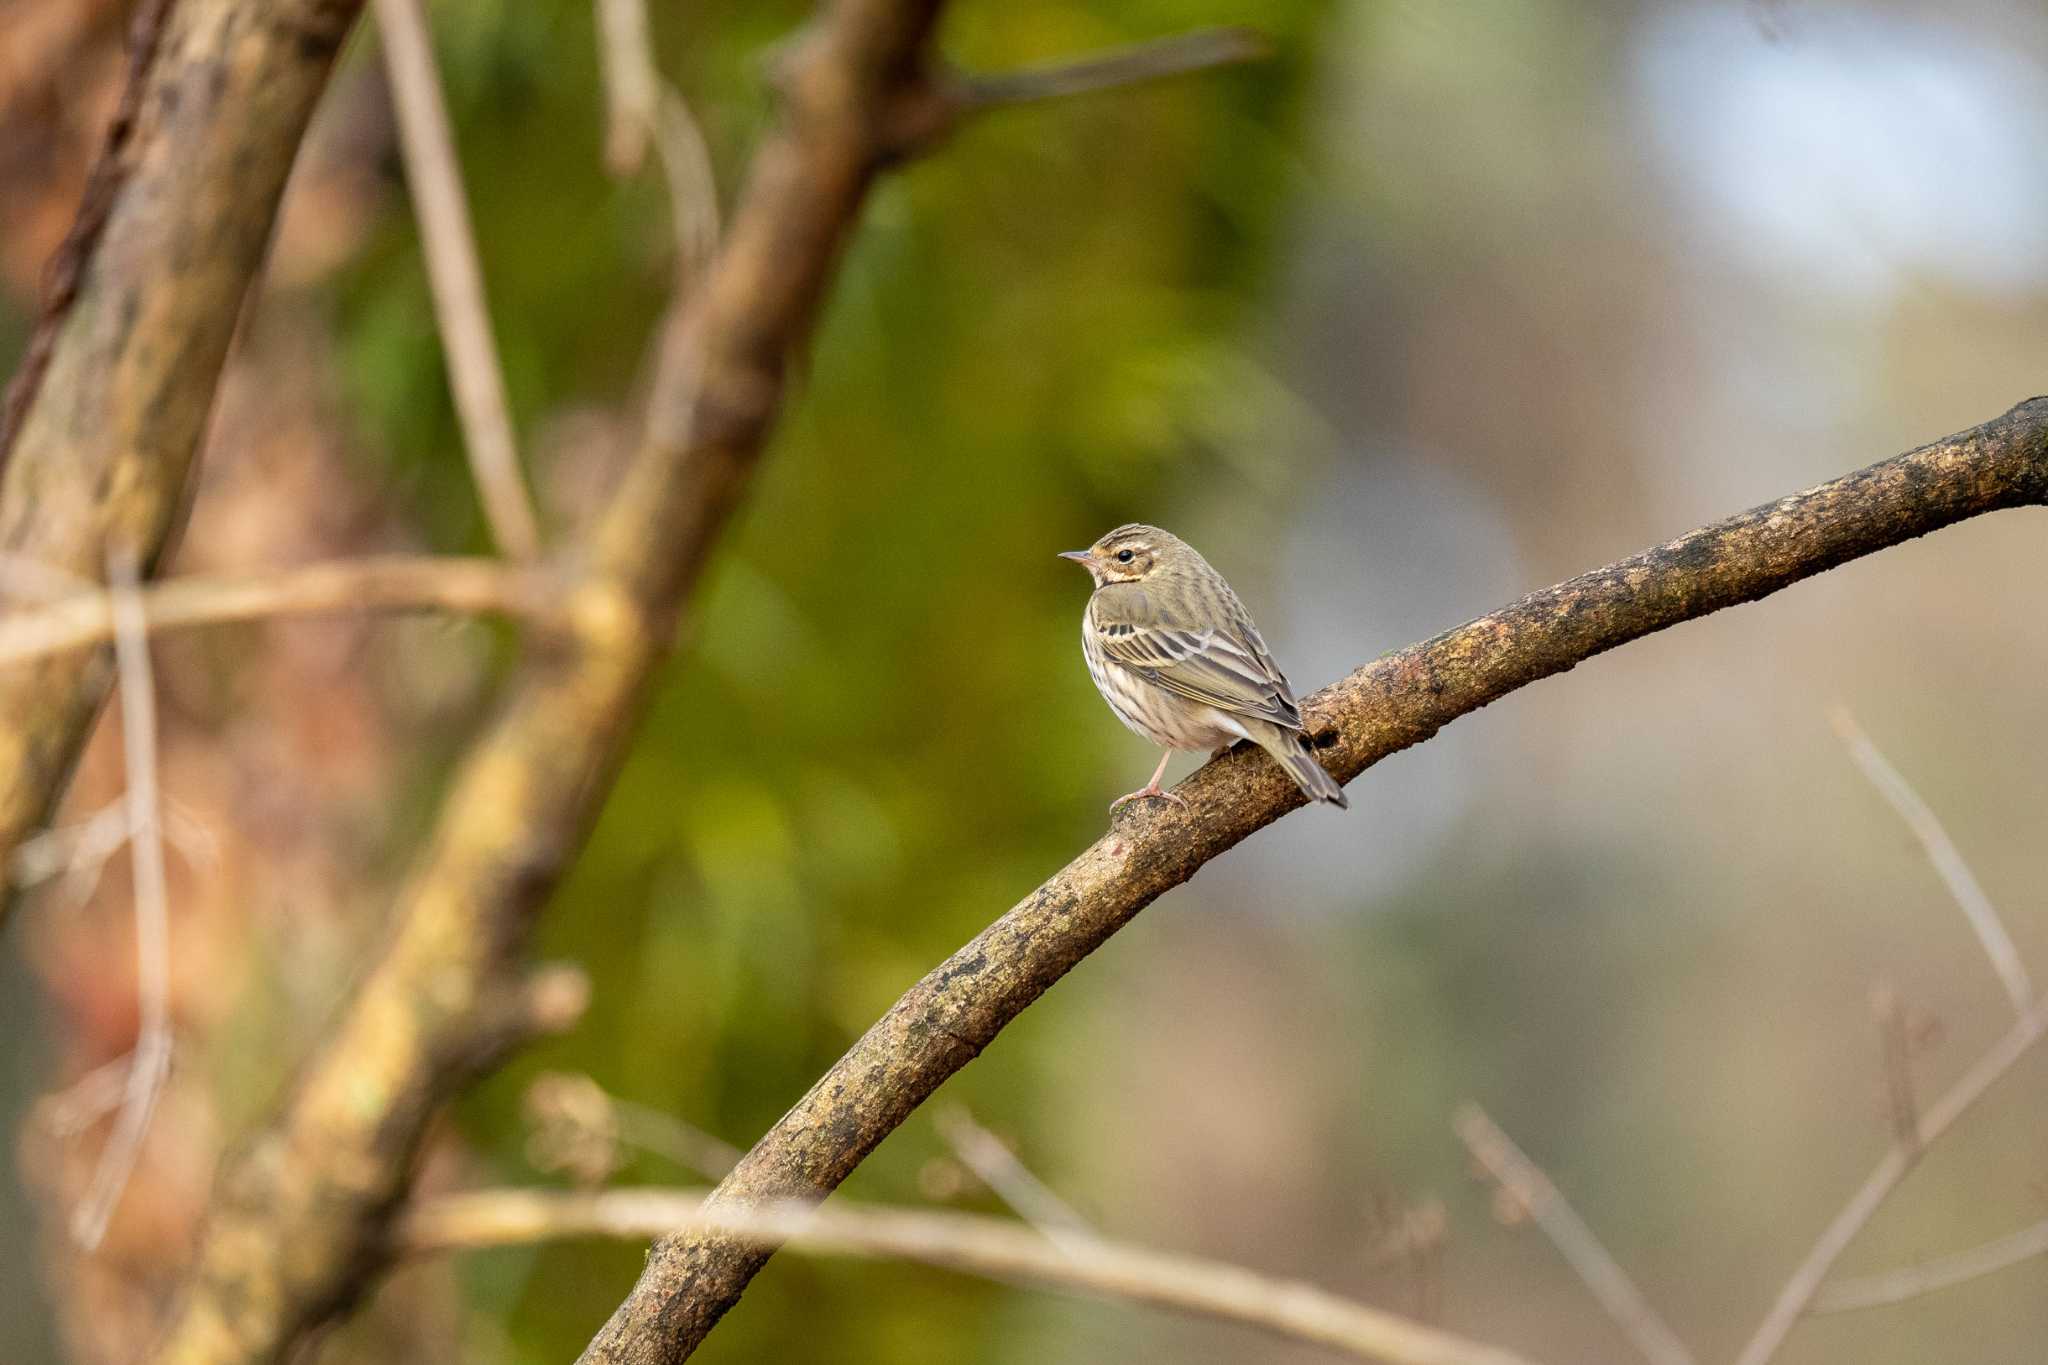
114 395
1399 700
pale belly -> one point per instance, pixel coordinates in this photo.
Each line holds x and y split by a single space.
1152 712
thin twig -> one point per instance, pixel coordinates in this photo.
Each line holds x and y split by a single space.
1941 850
380 583
665 1135
81 1104
948 100
1897 1286
84 847
1529 1187
639 106
976 1245
454 277
632 87
32 580
1895 1053
1805 1283
151 1058
997 1167
692 187
1178 54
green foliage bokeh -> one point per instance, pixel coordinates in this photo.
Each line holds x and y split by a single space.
878 733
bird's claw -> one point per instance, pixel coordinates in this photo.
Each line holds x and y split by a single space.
1155 790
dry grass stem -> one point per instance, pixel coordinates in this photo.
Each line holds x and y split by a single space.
455 278
1941 850
992 1247
150 1060
1533 1191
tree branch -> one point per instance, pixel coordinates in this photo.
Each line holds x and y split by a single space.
379 583
114 395
992 1247
944 1021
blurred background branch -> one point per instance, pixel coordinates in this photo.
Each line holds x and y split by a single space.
968 1243
1930 1277
434 174
1915 1129
382 583
1533 1194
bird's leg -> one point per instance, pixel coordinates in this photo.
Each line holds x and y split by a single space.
1152 788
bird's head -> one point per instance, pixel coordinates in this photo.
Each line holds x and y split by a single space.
1129 554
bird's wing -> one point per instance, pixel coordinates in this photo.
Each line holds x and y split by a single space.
1224 664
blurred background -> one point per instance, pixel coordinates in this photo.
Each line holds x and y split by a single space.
1443 304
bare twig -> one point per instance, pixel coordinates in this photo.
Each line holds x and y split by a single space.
79 853
78 1106
456 280
692 187
31 580
1806 1280
632 87
151 1058
1534 1193
1941 850
1895 1053
639 106
975 1245
1897 1286
667 1136
1401 699
997 1167
933 112
580 1127
1178 54
380 583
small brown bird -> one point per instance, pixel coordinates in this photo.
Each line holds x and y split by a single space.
1176 656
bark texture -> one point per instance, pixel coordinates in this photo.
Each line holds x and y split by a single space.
111 401
1401 699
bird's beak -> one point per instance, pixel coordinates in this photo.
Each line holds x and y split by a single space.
1078 556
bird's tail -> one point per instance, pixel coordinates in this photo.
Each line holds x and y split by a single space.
1291 750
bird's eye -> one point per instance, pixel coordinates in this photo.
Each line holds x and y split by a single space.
1123 556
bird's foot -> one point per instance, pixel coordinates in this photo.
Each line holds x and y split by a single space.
1152 790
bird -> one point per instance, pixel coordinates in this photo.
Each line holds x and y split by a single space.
1176 656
